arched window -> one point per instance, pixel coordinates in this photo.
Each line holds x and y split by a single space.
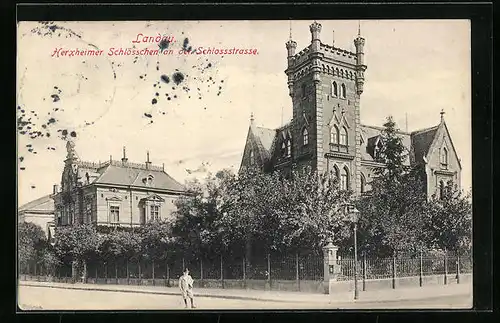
305 137
335 90
252 157
334 135
288 148
304 90
441 190
342 91
444 156
344 179
363 183
343 136
336 172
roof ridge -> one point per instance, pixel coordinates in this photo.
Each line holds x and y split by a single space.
45 198
424 130
382 128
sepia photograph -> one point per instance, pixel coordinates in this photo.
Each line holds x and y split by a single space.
244 165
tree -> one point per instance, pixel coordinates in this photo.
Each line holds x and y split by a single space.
449 220
392 154
80 243
31 241
392 214
196 228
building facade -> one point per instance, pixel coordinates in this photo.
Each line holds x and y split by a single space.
113 193
39 212
325 84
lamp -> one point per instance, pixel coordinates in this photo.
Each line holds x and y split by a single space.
353 216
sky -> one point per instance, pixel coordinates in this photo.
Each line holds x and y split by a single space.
416 68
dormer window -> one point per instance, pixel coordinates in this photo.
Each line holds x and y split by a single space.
335 89
305 137
343 91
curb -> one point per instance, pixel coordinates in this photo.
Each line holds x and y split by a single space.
166 293
326 301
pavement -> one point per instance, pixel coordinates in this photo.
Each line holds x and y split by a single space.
379 296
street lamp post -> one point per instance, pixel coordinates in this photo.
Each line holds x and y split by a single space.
354 217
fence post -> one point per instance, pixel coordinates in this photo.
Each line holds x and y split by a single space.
105 272
394 271
364 271
297 276
201 269
116 272
221 272
269 269
96 268
166 270
128 275
244 273
458 268
445 267
421 270
153 273
139 281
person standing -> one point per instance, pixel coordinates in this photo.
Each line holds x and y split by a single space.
186 287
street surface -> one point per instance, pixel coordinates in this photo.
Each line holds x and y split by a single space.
43 298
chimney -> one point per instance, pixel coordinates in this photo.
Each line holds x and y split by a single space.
124 159
148 163
55 189
333 38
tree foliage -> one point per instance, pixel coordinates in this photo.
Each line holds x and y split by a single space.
449 220
31 240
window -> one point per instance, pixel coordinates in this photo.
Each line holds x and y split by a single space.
444 156
114 213
334 135
288 148
252 157
441 190
283 149
305 137
335 90
155 212
343 136
344 179
303 88
363 183
342 91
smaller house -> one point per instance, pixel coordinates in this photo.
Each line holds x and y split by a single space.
39 212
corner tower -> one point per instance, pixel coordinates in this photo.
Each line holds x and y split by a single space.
325 83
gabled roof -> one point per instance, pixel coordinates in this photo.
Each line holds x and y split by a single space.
130 175
370 135
421 141
44 204
264 138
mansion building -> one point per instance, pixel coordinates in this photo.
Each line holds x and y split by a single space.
325 83
113 193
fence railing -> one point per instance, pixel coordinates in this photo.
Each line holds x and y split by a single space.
405 266
292 267
269 267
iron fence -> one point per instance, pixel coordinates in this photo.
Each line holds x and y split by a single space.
405 266
266 267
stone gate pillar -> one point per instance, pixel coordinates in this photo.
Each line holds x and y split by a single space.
331 269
